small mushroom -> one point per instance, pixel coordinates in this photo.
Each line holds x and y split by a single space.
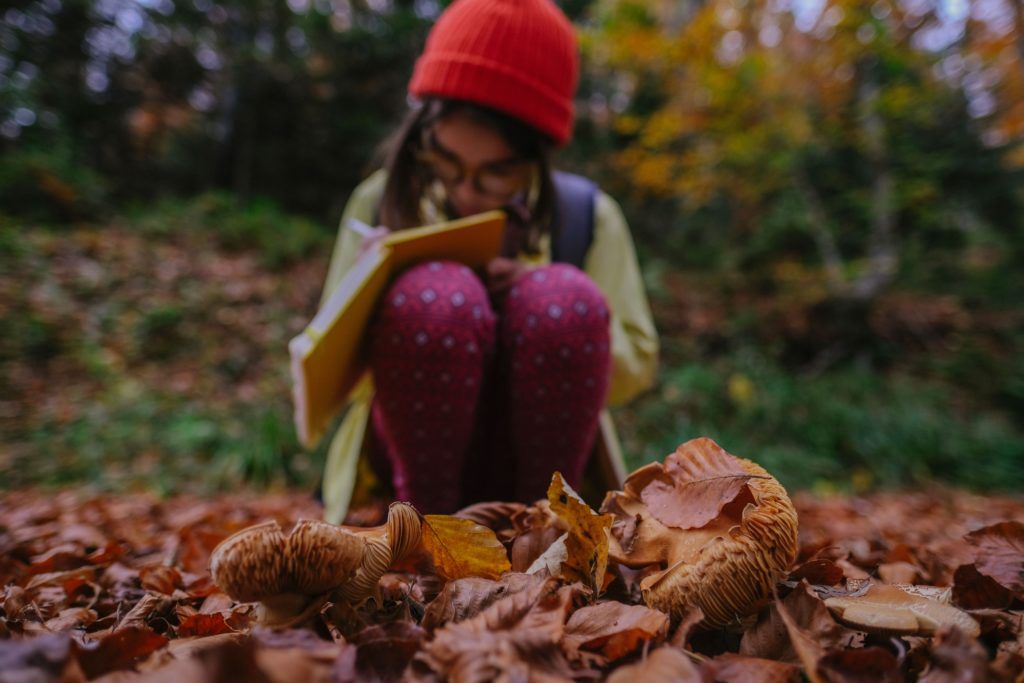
716 531
286 574
892 610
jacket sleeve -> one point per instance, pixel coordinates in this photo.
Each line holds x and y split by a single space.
611 263
362 206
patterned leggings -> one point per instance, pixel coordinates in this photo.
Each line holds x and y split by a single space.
472 405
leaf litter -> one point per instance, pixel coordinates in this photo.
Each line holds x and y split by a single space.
117 588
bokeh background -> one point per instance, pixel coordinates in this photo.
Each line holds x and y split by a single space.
826 196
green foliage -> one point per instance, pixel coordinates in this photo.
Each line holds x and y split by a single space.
260 225
48 184
849 428
134 436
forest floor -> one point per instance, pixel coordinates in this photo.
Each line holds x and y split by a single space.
117 588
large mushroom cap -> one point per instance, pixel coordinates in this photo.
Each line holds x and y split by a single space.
262 561
263 564
721 528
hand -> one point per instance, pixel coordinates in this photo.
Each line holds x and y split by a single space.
502 273
372 238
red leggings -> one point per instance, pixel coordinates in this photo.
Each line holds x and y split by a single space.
476 405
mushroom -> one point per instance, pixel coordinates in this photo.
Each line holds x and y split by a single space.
714 530
892 610
286 574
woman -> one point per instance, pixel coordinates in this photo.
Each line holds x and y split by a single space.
484 384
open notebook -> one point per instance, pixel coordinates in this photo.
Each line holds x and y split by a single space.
329 357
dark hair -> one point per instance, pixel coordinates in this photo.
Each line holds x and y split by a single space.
407 180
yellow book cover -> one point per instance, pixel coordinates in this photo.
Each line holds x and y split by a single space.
329 357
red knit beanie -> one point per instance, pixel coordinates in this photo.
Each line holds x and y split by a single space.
516 56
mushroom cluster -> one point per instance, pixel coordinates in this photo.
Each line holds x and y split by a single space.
286 573
714 531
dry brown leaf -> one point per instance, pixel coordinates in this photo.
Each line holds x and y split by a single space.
693 485
741 669
1000 554
614 629
465 598
822 572
900 610
121 649
809 650
863 665
461 548
797 629
587 540
956 658
160 578
383 652
899 572
974 590
516 637
71 618
664 665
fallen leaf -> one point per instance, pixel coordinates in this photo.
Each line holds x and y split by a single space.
203 625
693 485
384 651
121 649
465 598
160 578
821 572
899 572
741 669
956 658
494 515
613 629
974 590
664 665
71 618
515 638
868 664
587 541
461 548
1001 554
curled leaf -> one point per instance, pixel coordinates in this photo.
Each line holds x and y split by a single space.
587 540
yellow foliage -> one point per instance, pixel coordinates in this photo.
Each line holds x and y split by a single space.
587 540
461 548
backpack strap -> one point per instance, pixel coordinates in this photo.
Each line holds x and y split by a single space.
572 229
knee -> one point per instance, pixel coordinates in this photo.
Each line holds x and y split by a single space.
439 301
555 296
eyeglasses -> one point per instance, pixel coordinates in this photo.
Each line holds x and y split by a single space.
500 179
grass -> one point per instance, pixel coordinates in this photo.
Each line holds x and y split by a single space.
850 428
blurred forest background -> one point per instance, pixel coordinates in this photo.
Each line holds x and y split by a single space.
826 197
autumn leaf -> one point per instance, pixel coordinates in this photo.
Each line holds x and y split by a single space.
664 665
587 540
613 629
863 664
694 484
974 590
465 598
1001 554
461 548
733 667
118 650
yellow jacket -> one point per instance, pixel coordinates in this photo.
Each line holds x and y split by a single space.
610 262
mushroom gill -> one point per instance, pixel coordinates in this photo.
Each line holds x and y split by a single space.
717 532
